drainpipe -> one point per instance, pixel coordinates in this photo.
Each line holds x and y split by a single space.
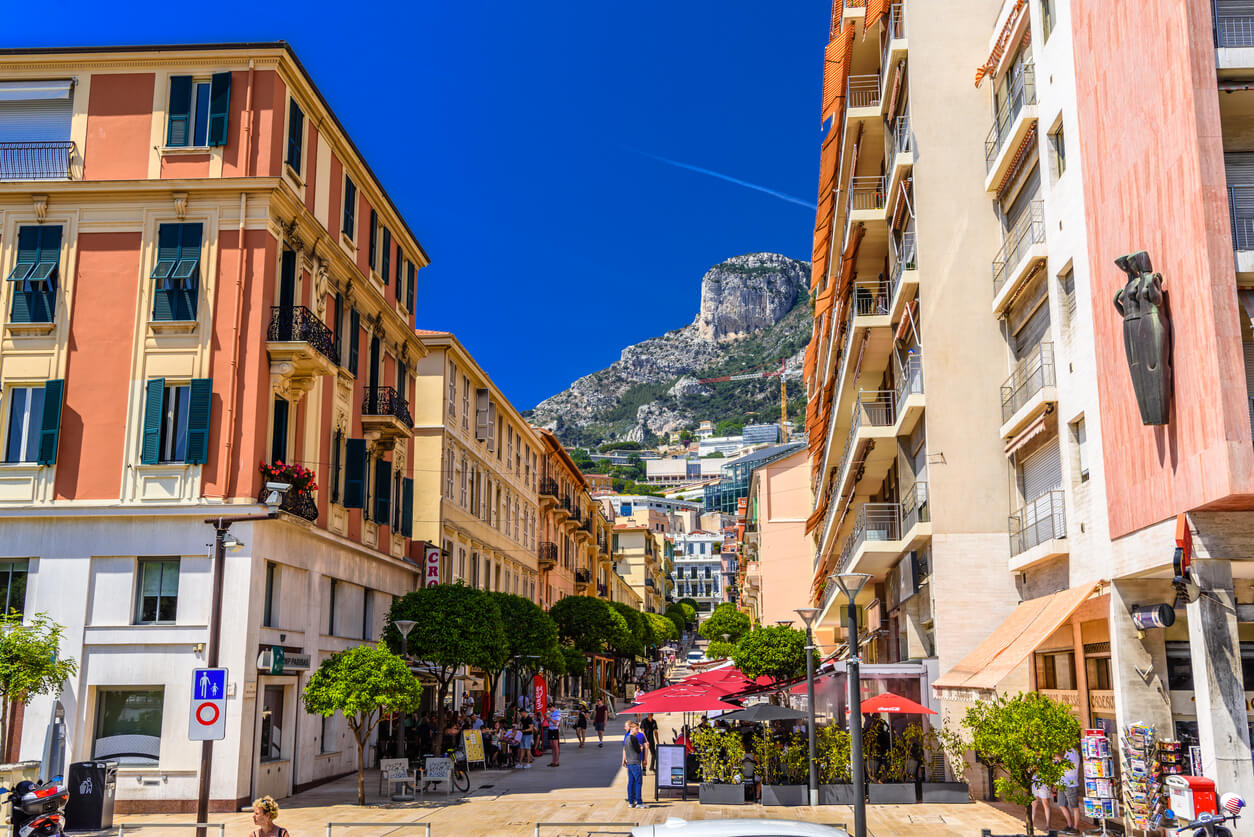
246 144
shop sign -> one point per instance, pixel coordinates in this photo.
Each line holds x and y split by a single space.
432 563
277 660
1185 703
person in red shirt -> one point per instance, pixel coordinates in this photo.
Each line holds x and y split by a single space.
599 716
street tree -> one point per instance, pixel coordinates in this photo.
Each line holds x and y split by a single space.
638 631
719 650
30 663
362 682
675 614
776 651
691 602
530 640
576 662
1024 738
690 612
726 623
454 626
664 629
591 625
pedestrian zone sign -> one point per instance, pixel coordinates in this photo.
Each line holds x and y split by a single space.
207 721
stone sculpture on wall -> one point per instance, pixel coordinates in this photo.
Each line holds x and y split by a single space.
1146 336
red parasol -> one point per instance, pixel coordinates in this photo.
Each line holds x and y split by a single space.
895 705
692 702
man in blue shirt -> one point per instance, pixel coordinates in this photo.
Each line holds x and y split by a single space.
635 752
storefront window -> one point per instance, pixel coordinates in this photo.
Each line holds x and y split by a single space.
1055 671
272 724
1180 666
128 725
1097 670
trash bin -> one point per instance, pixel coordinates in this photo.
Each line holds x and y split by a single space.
92 786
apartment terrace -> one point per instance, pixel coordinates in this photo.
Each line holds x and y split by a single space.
1021 254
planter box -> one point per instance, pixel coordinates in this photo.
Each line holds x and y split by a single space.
836 795
717 794
946 792
785 795
892 794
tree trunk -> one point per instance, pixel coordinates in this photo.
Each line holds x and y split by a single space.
4 728
1027 820
489 702
361 772
440 695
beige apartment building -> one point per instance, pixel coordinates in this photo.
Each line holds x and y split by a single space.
775 557
641 561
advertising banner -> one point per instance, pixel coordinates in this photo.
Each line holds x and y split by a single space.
540 695
432 565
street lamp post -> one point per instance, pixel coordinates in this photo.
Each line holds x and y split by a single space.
851 585
808 615
404 626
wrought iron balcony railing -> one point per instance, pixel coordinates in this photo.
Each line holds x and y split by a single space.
36 160
1028 230
583 576
386 401
1038 521
298 324
1021 92
1032 374
546 552
548 487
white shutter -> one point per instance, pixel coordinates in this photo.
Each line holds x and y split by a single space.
481 414
1041 472
36 120
491 426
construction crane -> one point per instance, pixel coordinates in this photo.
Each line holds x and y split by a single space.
757 376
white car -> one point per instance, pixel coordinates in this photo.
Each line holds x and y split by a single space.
737 828
696 656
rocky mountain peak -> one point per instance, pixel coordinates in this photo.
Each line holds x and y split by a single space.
747 293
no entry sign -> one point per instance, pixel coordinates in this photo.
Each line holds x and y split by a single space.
207 717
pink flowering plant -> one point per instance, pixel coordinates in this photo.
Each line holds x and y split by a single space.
299 477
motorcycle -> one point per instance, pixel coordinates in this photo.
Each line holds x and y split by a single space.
1211 825
37 810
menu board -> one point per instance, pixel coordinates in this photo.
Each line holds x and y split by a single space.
670 766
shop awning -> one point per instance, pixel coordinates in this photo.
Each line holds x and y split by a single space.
1023 631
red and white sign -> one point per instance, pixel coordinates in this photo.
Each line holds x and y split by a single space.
540 694
207 721
432 561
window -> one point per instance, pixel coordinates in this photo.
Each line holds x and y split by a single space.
328 741
1066 284
278 441
397 491
1079 436
35 274
452 389
349 227
1055 671
411 286
461 563
462 477
449 465
176 421
465 403
386 269
26 407
367 614
13 585
1057 142
177 272
1098 674
199 111
337 446
158 596
128 724
1047 19
295 135
373 255
354 337
270 612
334 592
271 748
339 326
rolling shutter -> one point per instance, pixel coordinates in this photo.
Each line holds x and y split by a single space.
382 490
50 422
153 402
1032 332
1041 472
38 111
354 473
199 403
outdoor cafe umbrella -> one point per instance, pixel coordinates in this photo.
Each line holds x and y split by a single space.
692 702
894 705
763 712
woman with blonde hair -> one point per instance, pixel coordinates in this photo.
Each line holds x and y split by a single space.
265 812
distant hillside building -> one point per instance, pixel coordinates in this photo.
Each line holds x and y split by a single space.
699 569
726 445
705 430
760 434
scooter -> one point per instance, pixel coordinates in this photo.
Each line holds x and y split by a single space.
37 810
1211 825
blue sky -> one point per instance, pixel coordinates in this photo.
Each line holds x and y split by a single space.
522 142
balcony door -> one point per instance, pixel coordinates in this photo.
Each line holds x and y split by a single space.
374 369
287 295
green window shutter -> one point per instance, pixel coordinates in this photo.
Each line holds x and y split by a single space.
339 327
382 490
410 288
354 339
187 273
163 298
219 108
50 424
295 134
154 399
374 238
354 473
407 507
179 122
27 254
386 270
350 208
198 409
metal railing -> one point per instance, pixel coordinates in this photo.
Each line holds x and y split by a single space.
910 378
874 408
905 258
1032 374
1241 209
875 522
895 23
546 552
1038 521
1028 230
863 91
1234 31
583 576
867 193
902 142
386 401
855 4
36 161
297 324
548 486
914 506
871 298
301 504
1022 92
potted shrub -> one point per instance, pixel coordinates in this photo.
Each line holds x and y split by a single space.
785 769
835 783
946 746
896 785
719 756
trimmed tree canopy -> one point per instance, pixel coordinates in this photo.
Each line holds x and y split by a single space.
725 619
576 662
719 650
775 651
691 602
591 624
690 612
531 632
664 629
454 625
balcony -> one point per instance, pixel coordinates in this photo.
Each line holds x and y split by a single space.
583 531
300 347
909 401
901 149
877 539
903 282
862 96
1234 42
1021 251
546 553
914 509
874 414
37 160
1241 211
548 492
1038 531
866 195
871 298
603 590
583 580
648 582
385 416
1014 116
893 54
1028 390
301 504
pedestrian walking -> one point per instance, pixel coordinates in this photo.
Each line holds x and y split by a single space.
528 740
265 812
555 734
649 727
1068 798
581 726
635 752
598 720
1041 795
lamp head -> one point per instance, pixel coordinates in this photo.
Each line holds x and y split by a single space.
807 614
784 623
232 543
851 584
275 492
404 626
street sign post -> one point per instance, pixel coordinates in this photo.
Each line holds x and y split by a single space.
207 717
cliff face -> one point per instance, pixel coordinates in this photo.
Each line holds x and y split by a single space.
753 312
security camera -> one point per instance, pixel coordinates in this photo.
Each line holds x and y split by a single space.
276 491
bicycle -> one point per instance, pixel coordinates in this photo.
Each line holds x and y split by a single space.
459 778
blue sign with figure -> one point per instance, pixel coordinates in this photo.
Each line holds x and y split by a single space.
207 717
